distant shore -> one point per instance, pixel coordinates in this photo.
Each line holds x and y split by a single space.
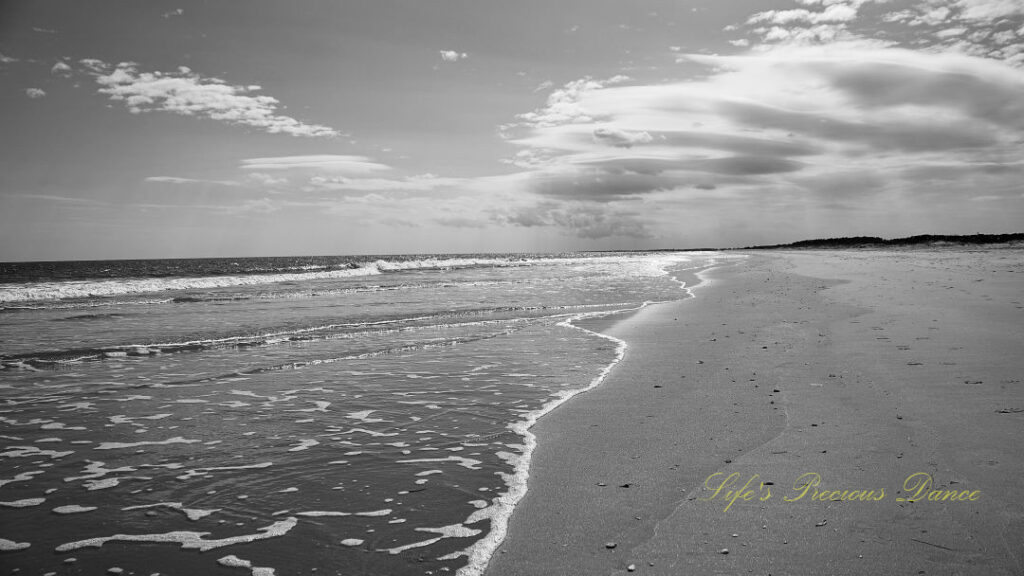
921 241
864 374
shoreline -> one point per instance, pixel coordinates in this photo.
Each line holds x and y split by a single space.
773 372
597 324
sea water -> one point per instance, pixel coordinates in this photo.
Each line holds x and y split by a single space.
332 415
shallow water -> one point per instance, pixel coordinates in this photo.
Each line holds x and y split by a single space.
349 423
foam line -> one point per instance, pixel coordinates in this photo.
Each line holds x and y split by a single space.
502 507
188 540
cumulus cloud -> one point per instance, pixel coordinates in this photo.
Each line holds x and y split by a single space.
94 65
316 162
989 10
61 68
982 28
452 55
563 105
838 12
35 93
186 93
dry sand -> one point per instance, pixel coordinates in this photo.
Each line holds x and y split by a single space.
864 367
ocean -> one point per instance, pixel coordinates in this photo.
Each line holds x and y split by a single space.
334 415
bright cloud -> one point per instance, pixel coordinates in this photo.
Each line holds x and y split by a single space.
452 55
823 128
186 93
983 28
35 93
989 10
61 69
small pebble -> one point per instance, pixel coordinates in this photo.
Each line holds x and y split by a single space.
610 545
723 551
631 568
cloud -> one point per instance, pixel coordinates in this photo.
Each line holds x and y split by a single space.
186 93
461 222
35 93
838 12
563 105
5 59
61 68
176 180
778 128
452 55
983 28
621 138
94 65
264 179
579 218
173 13
989 10
317 163
419 183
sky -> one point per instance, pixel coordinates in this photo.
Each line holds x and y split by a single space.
167 129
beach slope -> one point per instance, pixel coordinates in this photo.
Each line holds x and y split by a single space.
832 386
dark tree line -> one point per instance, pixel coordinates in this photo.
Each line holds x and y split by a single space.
920 240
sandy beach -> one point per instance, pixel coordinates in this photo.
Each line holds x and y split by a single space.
878 377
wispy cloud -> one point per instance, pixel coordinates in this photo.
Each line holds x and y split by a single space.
581 219
419 183
317 163
176 180
186 93
5 59
35 93
545 85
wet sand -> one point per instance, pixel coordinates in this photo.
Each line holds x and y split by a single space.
861 367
